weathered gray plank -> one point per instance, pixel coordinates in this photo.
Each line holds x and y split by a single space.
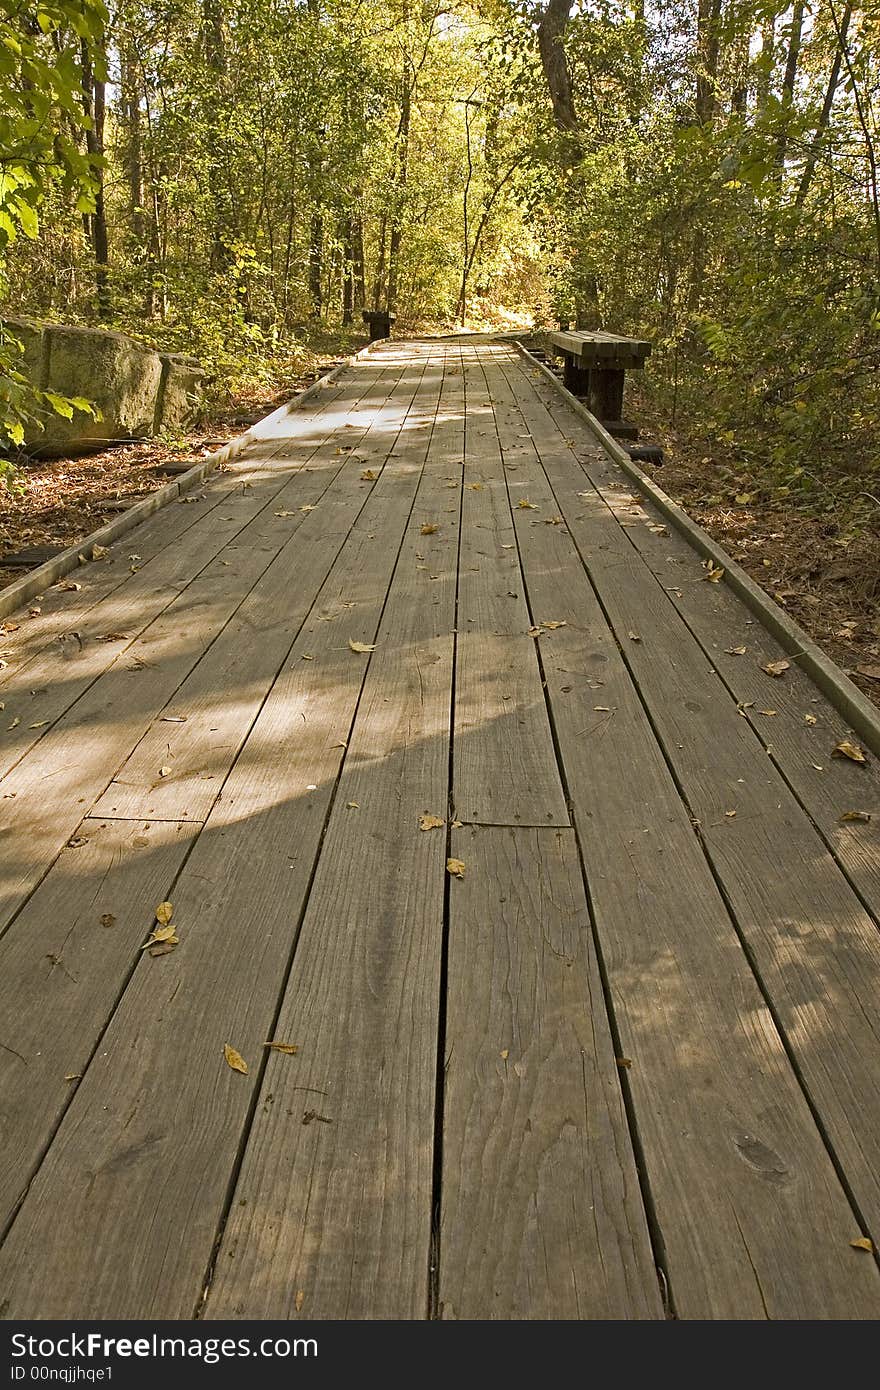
61 971
220 698
752 1214
332 1218
505 770
541 1211
90 741
141 1164
816 949
806 727
44 680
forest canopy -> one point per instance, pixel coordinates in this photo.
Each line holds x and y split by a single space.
221 176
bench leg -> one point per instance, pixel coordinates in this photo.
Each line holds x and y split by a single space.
575 377
606 393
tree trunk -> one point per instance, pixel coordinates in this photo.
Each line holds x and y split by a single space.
215 58
347 273
825 114
708 39
551 34
94 96
788 80
357 261
399 195
316 262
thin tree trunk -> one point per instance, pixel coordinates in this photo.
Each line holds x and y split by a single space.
215 57
347 273
357 255
789 78
827 105
94 94
400 195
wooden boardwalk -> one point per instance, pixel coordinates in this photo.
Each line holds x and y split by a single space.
627 1065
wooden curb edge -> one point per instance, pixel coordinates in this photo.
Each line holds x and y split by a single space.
861 715
37 581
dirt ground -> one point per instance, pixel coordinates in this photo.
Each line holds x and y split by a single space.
828 579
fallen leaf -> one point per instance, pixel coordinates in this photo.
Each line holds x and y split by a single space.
77 842
108 920
428 529
173 719
300 1299
15 723
309 507
623 1061
863 1243
98 552
552 520
70 588
809 718
164 913
164 771
714 574
856 816
161 936
361 646
730 814
369 476
353 805
427 822
73 1076
657 530
847 749
768 713
552 626
455 824
872 672
42 724
34 612
776 668
525 505
476 487
455 867
289 1049
736 651
234 1059
284 513
534 632
634 637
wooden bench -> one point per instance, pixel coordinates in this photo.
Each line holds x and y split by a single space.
595 366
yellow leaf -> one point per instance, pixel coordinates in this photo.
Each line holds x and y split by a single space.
428 529
634 637
776 668
623 1061
768 713
164 913
353 805
162 936
504 1054
308 508
455 867
735 651
164 771
234 1059
300 1299
361 646
427 822
289 1049
552 626
856 816
369 476
476 487
863 1243
98 552
809 718
714 574
525 505
847 749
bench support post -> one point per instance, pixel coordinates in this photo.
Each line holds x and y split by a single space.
606 393
575 377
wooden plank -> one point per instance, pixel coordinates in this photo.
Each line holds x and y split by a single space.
141 1165
42 688
62 969
220 698
332 1217
541 1214
752 1214
505 768
80 753
806 728
815 947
